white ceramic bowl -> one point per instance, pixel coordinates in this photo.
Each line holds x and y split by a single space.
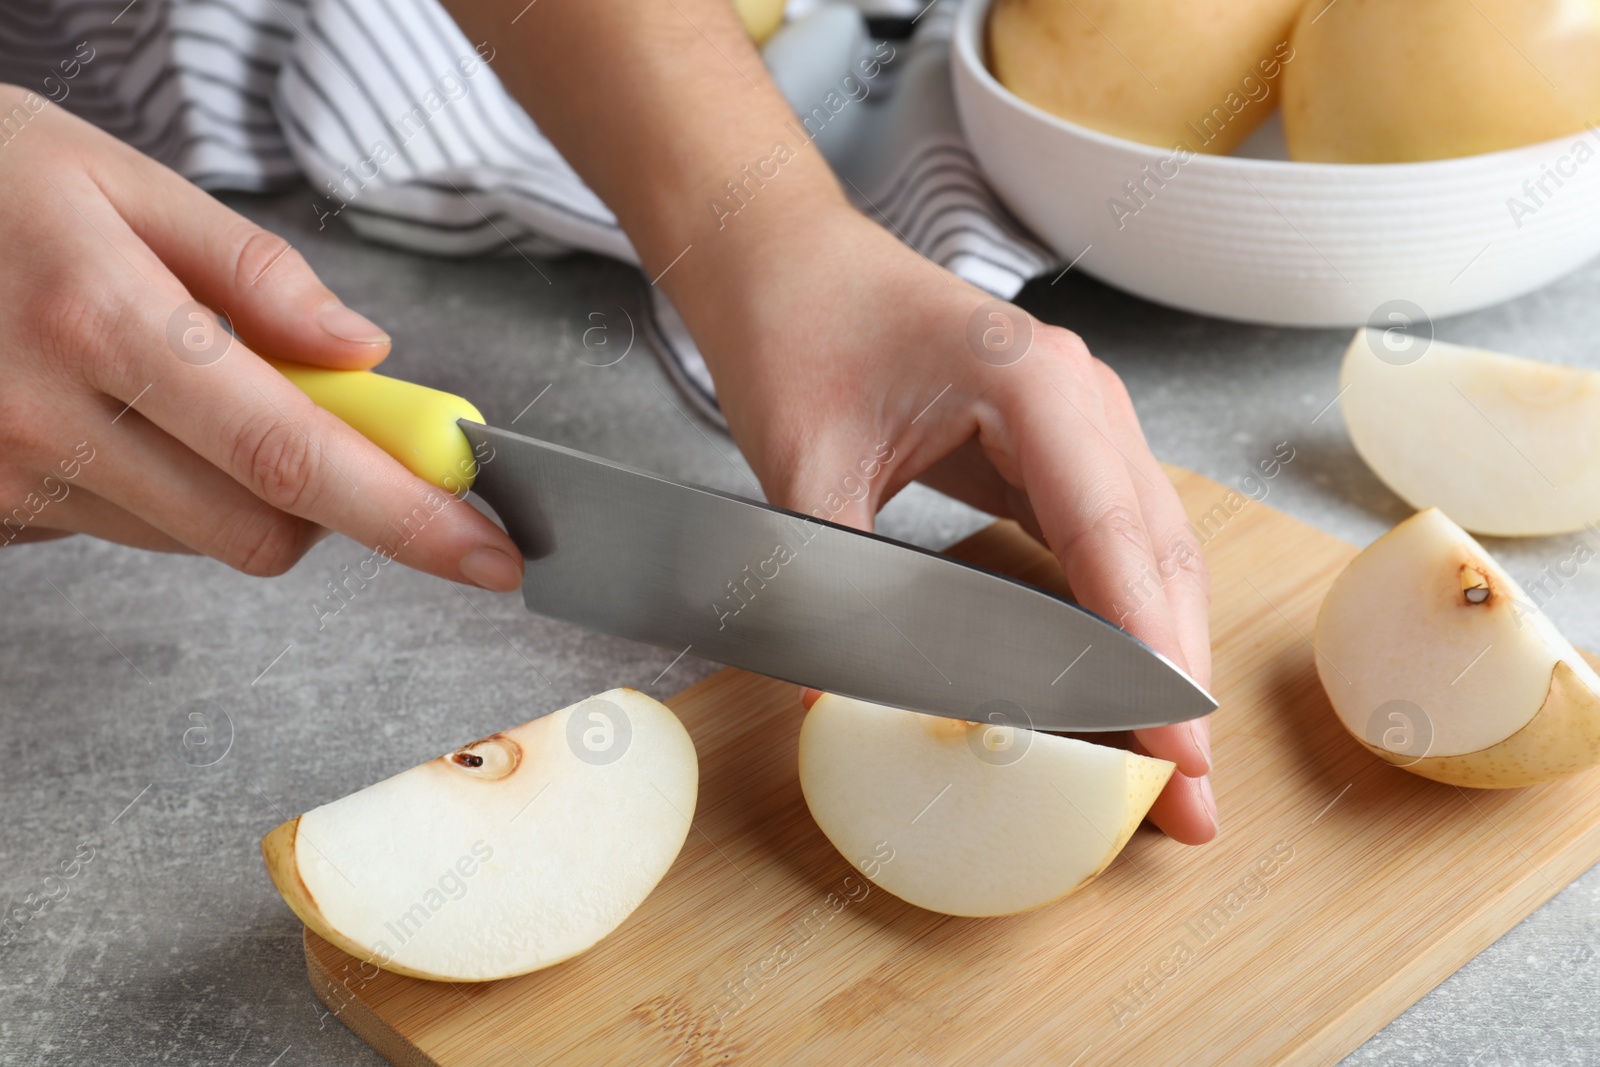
1268 240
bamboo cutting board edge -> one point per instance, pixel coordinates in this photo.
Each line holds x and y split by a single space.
1555 860
1476 931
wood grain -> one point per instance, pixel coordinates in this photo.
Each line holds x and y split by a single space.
1340 890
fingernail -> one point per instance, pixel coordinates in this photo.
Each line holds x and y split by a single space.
490 568
348 325
1210 800
1200 733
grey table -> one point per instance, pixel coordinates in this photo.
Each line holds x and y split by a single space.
171 946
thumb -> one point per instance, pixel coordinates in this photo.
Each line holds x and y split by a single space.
270 296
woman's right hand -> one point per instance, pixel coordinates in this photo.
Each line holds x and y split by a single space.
127 413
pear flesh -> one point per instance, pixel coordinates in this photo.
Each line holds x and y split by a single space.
1507 447
1435 660
510 854
970 819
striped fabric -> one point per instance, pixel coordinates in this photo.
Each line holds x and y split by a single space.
405 134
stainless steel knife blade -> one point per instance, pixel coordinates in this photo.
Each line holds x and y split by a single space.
689 568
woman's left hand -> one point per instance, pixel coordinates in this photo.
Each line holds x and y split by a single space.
849 366
833 345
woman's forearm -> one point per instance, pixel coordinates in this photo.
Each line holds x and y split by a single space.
658 105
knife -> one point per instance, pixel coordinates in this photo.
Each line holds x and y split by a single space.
798 598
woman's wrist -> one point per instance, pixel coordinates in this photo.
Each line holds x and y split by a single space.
725 229
746 276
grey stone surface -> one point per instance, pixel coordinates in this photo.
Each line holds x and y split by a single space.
170 945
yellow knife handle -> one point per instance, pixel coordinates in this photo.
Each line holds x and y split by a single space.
414 424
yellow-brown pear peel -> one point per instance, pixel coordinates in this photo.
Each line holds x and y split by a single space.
1562 739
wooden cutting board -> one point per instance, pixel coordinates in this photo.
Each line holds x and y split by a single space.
1339 891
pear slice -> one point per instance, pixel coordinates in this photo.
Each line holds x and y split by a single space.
1506 447
507 855
1435 660
967 818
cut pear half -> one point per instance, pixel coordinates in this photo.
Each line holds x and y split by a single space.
965 818
1505 446
1437 661
507 855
